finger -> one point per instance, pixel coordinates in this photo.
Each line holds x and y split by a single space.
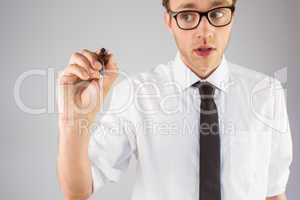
102 62
112 65
94 75
110 74
93 58
79 59
98 51
76 70
67 80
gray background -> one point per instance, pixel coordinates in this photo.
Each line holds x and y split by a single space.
43 34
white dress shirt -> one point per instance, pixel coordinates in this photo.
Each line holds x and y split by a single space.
154 116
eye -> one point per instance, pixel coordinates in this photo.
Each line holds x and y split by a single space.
216 14
187 16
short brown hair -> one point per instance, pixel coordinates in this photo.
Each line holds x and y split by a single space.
165 4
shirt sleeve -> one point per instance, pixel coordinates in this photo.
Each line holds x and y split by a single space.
281 146
113 140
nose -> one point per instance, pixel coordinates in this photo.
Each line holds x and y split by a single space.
204 30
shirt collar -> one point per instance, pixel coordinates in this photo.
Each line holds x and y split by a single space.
186 77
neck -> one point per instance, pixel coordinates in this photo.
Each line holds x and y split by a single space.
202 73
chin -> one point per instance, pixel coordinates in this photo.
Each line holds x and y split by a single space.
201 65
205 62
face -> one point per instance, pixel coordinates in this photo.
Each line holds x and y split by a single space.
202 48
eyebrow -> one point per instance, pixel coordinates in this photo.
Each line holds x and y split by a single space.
187 5
219 3
214 3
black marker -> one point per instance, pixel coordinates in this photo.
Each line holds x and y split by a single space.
103 58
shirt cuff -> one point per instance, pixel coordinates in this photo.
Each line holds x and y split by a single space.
276 190
98 179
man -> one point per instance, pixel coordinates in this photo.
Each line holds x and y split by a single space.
200 127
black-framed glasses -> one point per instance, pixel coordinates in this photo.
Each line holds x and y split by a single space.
190 19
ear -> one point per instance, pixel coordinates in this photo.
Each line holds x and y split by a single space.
168 20
233 16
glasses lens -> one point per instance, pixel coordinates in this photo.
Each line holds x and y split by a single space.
220 16
187 19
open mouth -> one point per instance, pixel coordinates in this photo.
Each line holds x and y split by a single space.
204 51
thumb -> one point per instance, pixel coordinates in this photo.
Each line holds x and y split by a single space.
111 70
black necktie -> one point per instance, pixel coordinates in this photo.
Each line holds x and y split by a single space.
209 162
